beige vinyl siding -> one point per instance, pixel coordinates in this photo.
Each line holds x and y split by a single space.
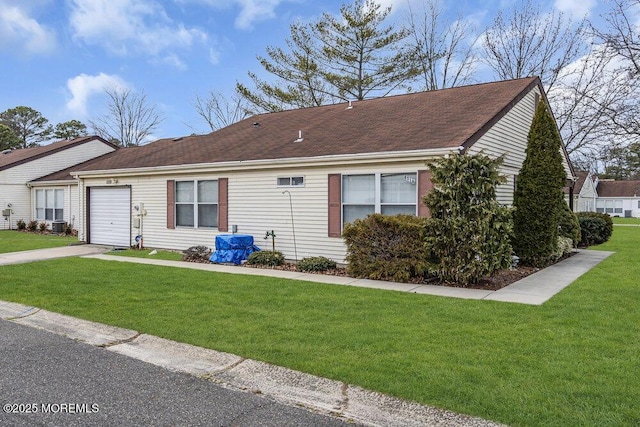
508 137
18 196
256 205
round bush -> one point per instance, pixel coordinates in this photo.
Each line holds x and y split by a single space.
593 230
608 231
266 258
316 263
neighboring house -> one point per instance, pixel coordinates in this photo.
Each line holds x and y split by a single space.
584 192
311 170
57 202
618 198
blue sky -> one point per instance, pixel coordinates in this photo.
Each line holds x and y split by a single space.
57 56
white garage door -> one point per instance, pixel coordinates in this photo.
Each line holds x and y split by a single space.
110 216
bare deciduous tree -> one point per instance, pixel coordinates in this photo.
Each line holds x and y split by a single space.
443 49
218 111
532 43
621 34
129 121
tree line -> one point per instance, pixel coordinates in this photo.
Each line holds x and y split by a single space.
591 73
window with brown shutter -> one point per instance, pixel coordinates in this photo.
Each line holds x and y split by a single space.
335 205
171 202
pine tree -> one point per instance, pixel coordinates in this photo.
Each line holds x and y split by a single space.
538 192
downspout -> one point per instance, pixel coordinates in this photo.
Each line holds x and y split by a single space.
30 187
70 204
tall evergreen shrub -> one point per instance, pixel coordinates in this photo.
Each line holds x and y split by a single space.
538 192
469 230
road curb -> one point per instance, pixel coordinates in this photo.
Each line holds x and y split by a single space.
284 385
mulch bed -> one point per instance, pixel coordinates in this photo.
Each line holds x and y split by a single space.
497 281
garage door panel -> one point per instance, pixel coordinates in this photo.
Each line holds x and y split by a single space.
110 217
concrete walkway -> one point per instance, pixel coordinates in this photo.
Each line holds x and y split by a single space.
534 289
51 253
281 384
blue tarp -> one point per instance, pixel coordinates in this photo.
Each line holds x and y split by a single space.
233 248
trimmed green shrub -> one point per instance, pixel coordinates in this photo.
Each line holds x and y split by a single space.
32 226
594 228
564 247
469 232
568 224
266 258
21 225
387 247
316 263
539 193
607 220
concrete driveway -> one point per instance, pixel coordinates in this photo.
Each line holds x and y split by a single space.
51 253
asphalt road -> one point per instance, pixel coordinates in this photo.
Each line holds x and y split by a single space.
51 380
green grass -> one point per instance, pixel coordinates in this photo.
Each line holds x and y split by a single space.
635 221
162 254
15 241
573 361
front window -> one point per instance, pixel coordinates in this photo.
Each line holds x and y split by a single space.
385 193
50 205
197 204
609 206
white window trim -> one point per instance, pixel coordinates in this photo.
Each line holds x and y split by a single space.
290 178
44 208
195 204
377 193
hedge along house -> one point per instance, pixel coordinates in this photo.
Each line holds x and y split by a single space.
26 200
309 170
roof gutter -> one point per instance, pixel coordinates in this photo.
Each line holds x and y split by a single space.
331 160
52 183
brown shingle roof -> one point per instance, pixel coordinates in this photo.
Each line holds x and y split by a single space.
618 189
581 178
419 121
23 155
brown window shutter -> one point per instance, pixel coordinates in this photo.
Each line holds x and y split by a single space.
424 186
335 205
171 202
223 204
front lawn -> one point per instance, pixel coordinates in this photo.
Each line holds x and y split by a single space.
16 241
572 361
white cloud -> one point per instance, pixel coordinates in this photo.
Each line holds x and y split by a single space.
130 27
214 56
578 8
19 30
83 86
251 11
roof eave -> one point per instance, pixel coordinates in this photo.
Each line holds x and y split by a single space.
330 160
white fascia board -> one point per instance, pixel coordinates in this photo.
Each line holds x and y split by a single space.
348 159
53 183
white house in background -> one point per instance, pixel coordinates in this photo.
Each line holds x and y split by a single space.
311 170
26 201
618 198
584 192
